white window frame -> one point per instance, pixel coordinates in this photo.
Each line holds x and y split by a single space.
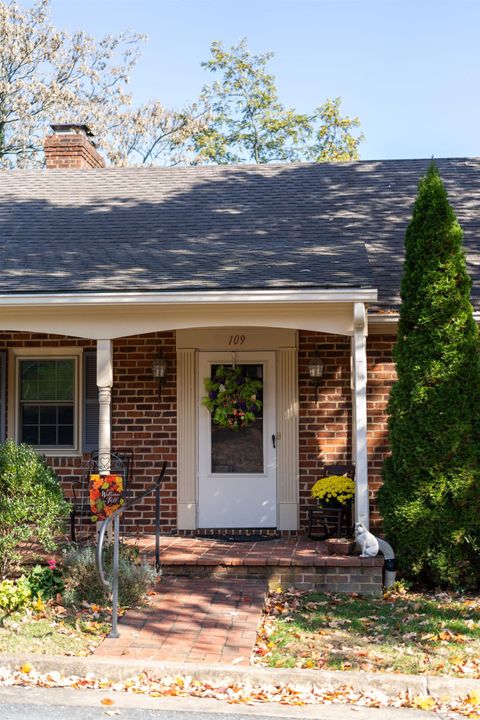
16 355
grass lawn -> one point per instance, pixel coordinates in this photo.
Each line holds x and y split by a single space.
53 630
405 632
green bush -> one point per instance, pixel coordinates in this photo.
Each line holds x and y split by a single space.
46 581
14 594
83 582
430 499
32 507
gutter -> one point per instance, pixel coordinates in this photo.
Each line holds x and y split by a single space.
376 318
204 297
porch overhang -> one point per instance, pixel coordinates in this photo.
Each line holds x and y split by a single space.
106 316
111 315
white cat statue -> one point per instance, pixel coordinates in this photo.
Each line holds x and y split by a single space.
368 542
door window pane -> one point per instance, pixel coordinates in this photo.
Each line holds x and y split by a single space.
239 451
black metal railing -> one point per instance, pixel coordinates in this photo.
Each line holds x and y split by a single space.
115 518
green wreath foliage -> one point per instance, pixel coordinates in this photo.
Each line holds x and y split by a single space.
232 397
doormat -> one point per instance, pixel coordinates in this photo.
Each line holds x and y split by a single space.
239 538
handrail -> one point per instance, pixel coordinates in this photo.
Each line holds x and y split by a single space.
115 518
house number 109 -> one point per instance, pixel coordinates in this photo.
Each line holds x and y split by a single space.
236 340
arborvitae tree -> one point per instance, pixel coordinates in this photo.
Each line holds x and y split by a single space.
430 499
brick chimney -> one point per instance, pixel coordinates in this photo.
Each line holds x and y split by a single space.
71 146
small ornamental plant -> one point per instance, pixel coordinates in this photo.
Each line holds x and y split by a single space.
14 595
232 397
46 581
334 490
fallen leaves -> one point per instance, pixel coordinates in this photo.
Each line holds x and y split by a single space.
238 693
406 632
473 697
426 702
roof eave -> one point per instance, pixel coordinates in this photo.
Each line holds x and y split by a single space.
330 295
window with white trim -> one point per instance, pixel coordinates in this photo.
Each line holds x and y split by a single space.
54 396
47 402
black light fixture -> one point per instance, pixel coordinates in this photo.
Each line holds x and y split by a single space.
315 371
159 371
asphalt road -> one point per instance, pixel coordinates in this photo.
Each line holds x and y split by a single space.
65 704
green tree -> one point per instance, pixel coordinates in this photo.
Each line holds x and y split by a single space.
430 499
248 123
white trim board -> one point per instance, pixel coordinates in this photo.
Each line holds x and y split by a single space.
236 339
108 322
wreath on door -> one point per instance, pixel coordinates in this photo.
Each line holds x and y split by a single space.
232 397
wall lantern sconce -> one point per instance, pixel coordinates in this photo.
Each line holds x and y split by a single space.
315 371
159 371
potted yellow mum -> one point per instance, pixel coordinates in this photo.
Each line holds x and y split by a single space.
336 491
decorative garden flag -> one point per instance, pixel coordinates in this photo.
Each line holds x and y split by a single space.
106 495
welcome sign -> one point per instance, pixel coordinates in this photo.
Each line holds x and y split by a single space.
106 495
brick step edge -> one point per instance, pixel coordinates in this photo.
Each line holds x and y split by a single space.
319 561
367 580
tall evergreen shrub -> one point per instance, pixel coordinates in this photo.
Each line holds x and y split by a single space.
430 499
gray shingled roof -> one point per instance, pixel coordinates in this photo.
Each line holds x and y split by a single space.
270 226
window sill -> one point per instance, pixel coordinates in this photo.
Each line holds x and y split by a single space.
55 452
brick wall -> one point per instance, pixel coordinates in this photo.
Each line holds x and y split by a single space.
147 425
326 425
380 377
140 420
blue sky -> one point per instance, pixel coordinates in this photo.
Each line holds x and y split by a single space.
408 68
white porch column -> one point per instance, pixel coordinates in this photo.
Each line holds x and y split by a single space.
359 413
187 440
287 438
104 384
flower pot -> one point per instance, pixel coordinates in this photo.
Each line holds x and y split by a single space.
340 546
326 504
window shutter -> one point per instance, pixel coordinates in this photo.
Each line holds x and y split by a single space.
90 401
3 394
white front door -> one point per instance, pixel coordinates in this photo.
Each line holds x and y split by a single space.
237 468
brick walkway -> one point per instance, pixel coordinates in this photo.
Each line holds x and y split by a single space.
192 620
